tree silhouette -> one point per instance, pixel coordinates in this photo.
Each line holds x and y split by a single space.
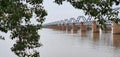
16 16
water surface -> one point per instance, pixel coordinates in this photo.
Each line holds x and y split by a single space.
65 44
86 44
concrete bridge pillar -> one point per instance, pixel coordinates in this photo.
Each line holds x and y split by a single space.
116 28
54 26
60 27
83 27
68 27
57 27
63 27
95 27
51 27
75 28
48 26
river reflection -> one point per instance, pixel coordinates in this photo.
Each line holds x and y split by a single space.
63 44
83 33
80 44
96 36
116 41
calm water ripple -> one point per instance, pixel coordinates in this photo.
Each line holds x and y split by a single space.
86 44
66 44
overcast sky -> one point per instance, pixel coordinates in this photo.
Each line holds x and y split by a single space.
59 12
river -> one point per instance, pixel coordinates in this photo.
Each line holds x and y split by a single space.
66 44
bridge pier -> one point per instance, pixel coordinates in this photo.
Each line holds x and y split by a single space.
68 27
75 28
55 27
63 27
95 27
59 27
51 27
83 27
116 28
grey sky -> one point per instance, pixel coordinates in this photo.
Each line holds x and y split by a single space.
59 12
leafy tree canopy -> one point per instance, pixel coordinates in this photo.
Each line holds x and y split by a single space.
16 16
101 10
